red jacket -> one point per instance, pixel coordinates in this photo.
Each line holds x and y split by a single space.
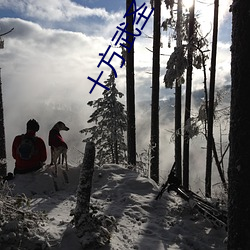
37 159
55 139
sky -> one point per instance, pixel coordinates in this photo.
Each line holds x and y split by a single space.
55 47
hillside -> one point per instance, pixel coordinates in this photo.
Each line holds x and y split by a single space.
141 221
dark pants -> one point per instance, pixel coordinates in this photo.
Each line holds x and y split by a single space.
25 171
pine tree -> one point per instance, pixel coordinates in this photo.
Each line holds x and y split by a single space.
154 168
238 170
178 93
110 124
189 53
130 87
210 139
3 161
191 26
3 164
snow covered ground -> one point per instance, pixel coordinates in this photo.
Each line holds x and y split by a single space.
141 221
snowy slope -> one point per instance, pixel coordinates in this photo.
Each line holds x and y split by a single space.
141 221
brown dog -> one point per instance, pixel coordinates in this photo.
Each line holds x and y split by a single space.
58 146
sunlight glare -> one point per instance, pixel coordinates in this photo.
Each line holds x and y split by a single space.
188 3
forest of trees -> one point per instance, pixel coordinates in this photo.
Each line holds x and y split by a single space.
190 51
113 124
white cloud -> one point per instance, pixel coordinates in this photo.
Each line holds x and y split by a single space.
45 70
205 12
50 59
54 10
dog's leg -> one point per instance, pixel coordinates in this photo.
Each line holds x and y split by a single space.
59 159
51 156
66 161
56 170
55 158
63 157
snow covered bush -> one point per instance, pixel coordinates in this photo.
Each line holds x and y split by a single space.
20 228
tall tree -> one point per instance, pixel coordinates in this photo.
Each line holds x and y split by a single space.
176 66
3 162
154 168
188 96
210 139
239 159
178 155
110 125
130 85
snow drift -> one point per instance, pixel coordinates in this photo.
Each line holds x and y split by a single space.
141 222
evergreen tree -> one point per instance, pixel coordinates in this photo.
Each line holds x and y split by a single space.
188 53
154 167
187 116
3 164
210 120
238 170
130 86
3 161
110 121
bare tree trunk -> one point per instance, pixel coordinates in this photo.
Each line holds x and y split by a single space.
178 157
154 168
239 159
188 98
218 164
130 83
211 102
81 215
3 162
116 152
93 231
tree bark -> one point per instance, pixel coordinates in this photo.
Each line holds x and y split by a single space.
178 158
188 97
3 161
211 102
83 193
239 159
130 85
218 164
93 229
154 168
116 152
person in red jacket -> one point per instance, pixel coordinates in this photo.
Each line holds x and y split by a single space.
29 150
